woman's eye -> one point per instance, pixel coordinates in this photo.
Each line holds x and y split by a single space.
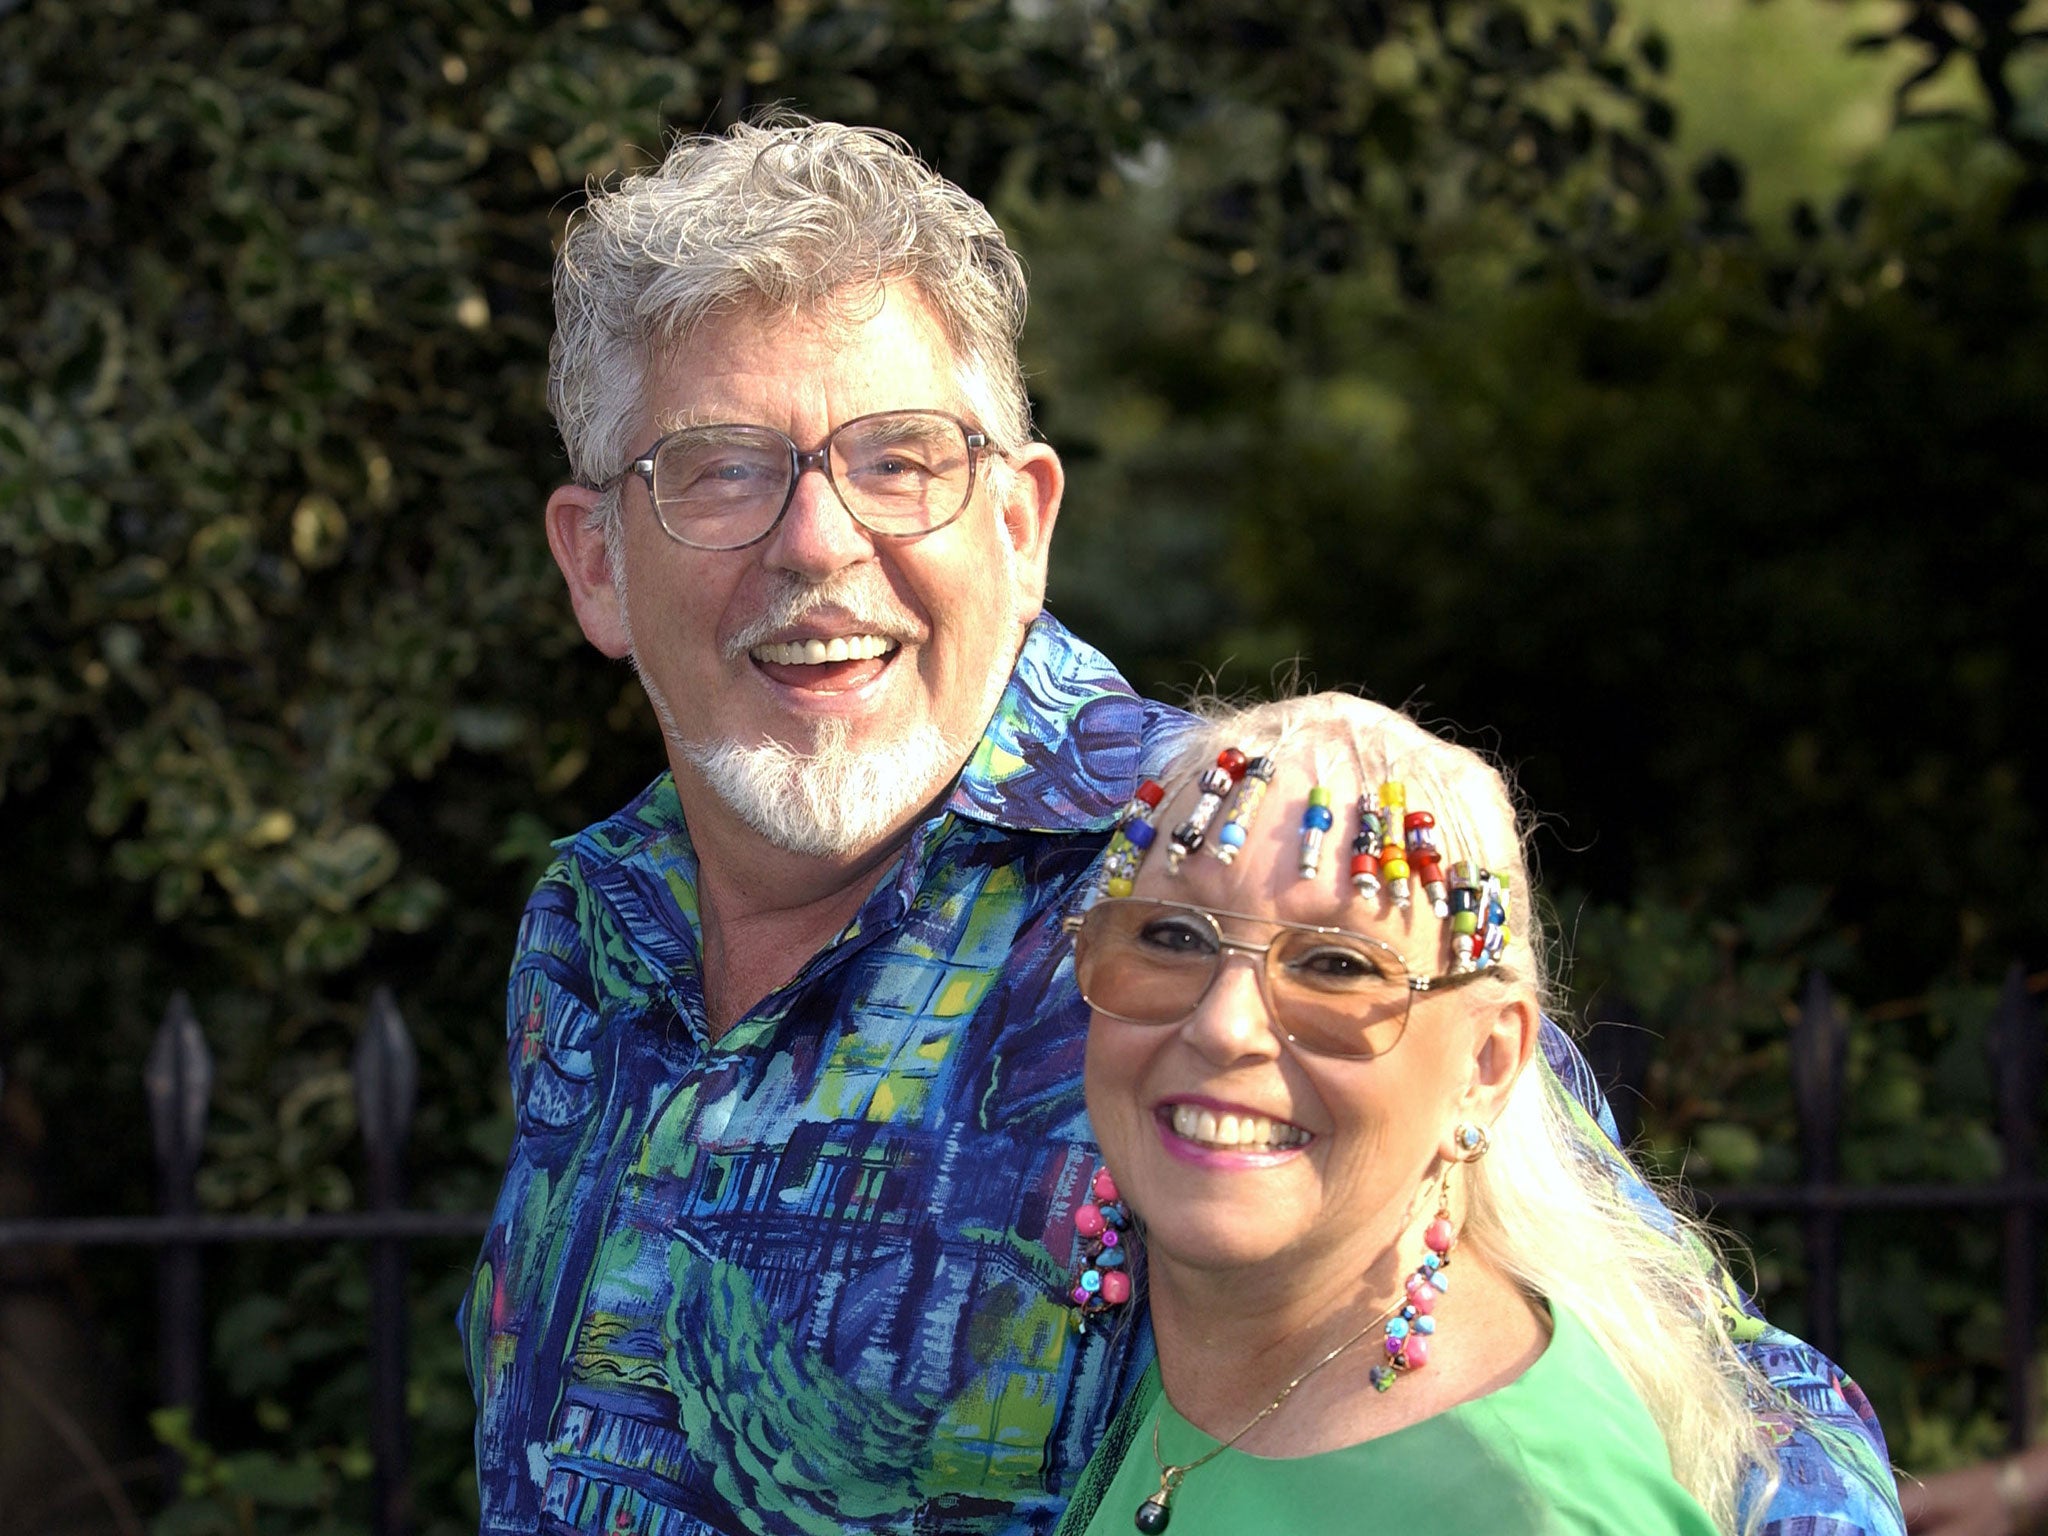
1169 936
1336 965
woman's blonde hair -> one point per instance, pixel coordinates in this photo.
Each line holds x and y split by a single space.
1554 1203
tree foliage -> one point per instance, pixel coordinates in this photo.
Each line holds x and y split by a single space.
1384 334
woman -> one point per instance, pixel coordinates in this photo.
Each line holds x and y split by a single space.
1391 1287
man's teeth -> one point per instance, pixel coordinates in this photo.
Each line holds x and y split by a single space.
1193 1123
811 653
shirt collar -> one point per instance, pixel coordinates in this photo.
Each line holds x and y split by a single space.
1062 751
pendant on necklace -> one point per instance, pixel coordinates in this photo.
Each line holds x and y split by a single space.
1153 1514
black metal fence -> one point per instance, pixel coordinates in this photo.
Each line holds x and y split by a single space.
1621 1054
178 1080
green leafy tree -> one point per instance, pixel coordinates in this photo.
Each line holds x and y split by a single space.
1384 334
289 701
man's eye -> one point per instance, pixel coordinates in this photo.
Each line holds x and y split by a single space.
893 466
726 472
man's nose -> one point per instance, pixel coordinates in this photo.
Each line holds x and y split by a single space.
817 535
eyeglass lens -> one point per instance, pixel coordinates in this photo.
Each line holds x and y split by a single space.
1153 962
897 472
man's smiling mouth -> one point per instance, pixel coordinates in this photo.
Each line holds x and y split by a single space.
811 653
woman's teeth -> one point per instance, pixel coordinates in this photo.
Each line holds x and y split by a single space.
811 653
1192 1123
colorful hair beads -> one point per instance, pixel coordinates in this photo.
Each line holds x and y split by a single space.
1251 790
1426 859
1393 863
1135 835
1215 783
1479 917
1365 850
1316 822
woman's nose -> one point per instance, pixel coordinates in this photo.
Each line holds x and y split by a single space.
1234 1020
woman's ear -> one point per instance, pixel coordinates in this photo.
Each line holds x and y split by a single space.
1505 1034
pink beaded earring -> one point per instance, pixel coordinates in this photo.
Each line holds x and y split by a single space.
1410 1331
1102 1277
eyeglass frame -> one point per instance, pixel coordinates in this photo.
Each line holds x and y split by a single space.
800 462
1415 985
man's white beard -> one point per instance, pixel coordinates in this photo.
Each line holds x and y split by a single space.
834 798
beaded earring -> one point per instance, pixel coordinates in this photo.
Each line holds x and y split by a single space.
1251 790
1101 1277
1215 783
1409 1332
1134 835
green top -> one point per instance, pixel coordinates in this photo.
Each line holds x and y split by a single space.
1567 1447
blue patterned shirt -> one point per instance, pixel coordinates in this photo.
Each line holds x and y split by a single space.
809 1277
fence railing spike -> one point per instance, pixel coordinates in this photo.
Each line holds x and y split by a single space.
387 1073
1819 1053
178 1081
2014 1048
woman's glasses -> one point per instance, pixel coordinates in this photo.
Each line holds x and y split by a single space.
1330 991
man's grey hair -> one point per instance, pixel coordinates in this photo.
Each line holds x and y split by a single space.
787 216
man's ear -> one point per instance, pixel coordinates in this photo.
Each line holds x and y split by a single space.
578 544
1029 506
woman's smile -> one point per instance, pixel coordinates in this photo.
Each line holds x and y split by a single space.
1216 1133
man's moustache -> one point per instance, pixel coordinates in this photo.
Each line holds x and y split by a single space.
793 600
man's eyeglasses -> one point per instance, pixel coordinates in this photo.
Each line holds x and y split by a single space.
1330 992
899 473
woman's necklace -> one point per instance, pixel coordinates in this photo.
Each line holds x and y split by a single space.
1154 1513
1407 1348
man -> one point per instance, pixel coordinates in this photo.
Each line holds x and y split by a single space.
785 1236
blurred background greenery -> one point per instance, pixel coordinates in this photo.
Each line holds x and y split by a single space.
1641 388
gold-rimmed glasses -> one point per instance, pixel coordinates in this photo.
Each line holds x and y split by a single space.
1330 991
